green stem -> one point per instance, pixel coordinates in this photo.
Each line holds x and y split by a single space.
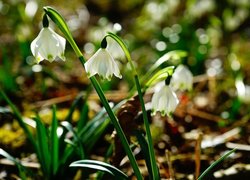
155 172
19 118
116 124
148 132
215 163
61 24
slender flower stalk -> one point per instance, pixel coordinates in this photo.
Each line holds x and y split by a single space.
60 22
155 172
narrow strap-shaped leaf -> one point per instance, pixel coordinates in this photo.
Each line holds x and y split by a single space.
62 145
21 168
95 135
83 116
93 166
215 163
54 143
114 171
78 141
176 54
19 118
73 107
145 151
43 149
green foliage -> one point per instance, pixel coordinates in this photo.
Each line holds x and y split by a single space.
53 149
101 166
19 165
208 170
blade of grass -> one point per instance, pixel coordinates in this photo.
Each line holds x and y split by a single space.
54 142
77 140
98 165
83 116
19 118
43 149
95 135
20 167
145 151
73 107
215 163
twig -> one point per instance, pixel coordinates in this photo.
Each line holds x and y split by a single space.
238 146
170 167
25 164
198 156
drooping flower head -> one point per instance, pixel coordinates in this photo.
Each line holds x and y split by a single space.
164 100
48 44
103 64
243 91
182 78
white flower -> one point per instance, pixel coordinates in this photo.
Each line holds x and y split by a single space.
115 49
102 63
48 45
243 91
182 78
165 101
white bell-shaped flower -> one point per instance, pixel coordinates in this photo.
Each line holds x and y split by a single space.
48 45
165 101
243 91
103 64
182 78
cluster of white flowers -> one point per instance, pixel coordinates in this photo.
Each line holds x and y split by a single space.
49 45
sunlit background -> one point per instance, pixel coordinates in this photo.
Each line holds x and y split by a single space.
215 35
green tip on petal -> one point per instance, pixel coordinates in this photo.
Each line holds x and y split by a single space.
153 112
163 113
109 78
88 74
50 57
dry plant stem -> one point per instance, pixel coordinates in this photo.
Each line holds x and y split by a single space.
198 156
170 167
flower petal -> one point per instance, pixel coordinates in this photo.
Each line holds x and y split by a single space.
102 63
164 101
182 78
48 45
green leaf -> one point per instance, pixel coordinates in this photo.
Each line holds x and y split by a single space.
94 133
159 76
54 143
21 168
215 163
76 140
43 149
145 151
83 116
176 54
102 166
19 119
73 107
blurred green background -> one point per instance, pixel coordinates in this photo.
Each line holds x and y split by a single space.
215 35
